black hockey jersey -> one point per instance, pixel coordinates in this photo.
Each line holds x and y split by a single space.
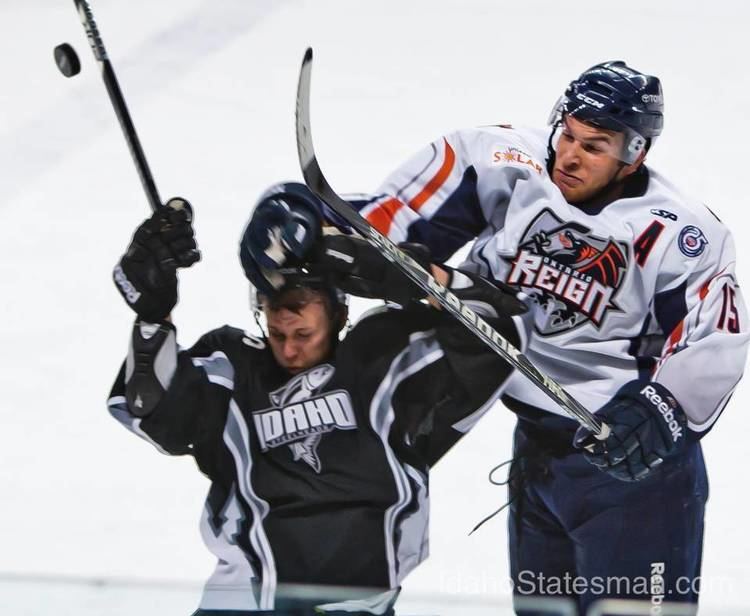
321 478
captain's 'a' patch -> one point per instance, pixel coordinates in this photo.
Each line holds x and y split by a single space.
299 417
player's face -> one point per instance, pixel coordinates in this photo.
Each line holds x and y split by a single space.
584 163
299 340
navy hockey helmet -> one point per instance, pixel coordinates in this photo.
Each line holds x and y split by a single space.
296 276
289 193
613 96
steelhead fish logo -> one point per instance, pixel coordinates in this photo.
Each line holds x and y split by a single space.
299 417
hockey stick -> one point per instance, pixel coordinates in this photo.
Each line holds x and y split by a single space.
118 102
317 182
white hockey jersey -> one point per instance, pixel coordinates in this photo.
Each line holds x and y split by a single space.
644 288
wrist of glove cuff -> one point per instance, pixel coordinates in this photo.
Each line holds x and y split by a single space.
647 426
150 365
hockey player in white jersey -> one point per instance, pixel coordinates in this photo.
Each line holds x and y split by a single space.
638 315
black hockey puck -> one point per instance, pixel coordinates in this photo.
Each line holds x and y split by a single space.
67 60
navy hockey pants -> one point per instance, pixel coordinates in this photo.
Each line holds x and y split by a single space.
576 532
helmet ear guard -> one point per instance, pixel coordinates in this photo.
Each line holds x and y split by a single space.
633 147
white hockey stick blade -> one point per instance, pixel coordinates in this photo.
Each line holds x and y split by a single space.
317 182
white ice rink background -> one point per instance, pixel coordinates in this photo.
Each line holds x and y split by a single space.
211 86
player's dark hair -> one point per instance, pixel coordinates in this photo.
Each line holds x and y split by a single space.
296 298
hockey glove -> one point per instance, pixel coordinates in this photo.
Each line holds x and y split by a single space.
489 299
647 427
358 268
281 233
146 275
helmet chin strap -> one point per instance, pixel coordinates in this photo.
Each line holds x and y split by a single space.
551 154
256 316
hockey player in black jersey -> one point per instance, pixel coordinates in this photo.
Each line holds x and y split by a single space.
318 450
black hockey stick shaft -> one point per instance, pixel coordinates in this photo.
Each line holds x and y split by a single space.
118 102
317 182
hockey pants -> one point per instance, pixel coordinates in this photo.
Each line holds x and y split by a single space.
576 532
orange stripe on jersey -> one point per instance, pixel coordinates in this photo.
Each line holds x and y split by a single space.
704 290
382 216
437 180
674 338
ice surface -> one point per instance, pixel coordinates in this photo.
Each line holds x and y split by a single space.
211 89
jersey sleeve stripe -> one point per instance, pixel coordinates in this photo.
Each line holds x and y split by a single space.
382 214
704 290
237 440
458 220
707 286
218 369
381 217
674 339
118 408
670 308
423 349
679 329
437 180
414 180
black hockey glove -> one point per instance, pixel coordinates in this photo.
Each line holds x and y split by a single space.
647 427
358 268
281 233
489 299
146 275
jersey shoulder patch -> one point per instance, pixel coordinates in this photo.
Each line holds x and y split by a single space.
692 241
